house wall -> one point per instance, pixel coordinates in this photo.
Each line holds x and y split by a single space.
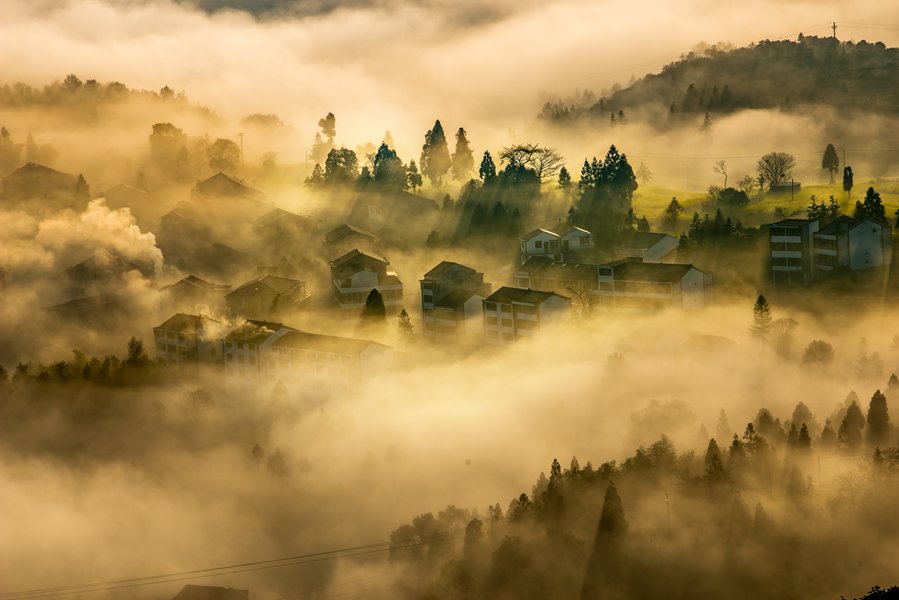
541 244
866 247
692 288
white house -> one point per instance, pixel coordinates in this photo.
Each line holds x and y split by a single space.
187 338
541 242
514 313
354 275
451 296
575 239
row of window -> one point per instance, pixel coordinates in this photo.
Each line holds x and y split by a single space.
240 345
505 336
171 335
240 359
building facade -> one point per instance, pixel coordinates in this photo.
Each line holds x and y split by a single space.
355 274
516 313
451 296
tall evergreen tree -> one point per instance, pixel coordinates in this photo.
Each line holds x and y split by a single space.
605 555
878 420
463 160
847 181
761 317
435 156
850 433
487 172
374 310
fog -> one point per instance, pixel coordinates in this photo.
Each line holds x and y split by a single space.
406 480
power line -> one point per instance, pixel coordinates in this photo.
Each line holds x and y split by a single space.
275 563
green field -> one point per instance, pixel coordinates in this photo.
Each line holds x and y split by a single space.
652 200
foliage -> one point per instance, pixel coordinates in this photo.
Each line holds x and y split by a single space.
776 167
761 317
435 157
463 159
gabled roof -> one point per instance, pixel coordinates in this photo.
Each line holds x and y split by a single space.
455 299
521 295
200 284
255 332
225 185
184 323
651 272
547 268
208 592
33 169
303 340
354 261
792 222
105 263
278 285
100 301
574 229
446 267
843 224
124 189
344 230
538 231
279 216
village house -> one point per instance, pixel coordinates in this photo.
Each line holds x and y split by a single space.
451 296
573 244
44 187
185 338
792 250
514 313
245 347
299 357
223 192
633 283
345 238
192 292
266 296
354 275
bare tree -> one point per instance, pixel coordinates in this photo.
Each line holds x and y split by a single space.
583 293
747 184
720 167
776 167
546 162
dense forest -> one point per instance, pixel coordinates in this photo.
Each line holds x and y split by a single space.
787 75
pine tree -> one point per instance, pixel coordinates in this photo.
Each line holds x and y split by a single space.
435 156
605 554
761 317
847 181
487 172
878 420
850 433
805 440
374 310
714 467
463 160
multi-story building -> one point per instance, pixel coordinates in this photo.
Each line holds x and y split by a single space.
245 347
633 283
302 357
513 313
354 275
187 338
852 244
451 296
792 250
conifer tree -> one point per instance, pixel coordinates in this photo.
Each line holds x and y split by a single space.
435 156
463 160
878 420
761 317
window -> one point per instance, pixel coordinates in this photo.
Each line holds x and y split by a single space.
240 345
251 346
491 320
346 282
240 358
506 322
489 305
538 244
491 334
508 337
506 308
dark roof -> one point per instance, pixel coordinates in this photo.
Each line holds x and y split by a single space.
185 323
344 230
35 169
545 267
324 343
526 296
574 228
534 232
455 299
225 185
444 267
201 284
208 592
791 222
255 332
279 285
650 272
100 301
354 261
125 189
105 263
842 224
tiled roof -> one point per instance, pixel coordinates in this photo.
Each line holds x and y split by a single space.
324 343
526 296
445 267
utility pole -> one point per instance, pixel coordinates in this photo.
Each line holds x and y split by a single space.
833 55
668 511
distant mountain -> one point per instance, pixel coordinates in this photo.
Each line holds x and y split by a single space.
785 75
